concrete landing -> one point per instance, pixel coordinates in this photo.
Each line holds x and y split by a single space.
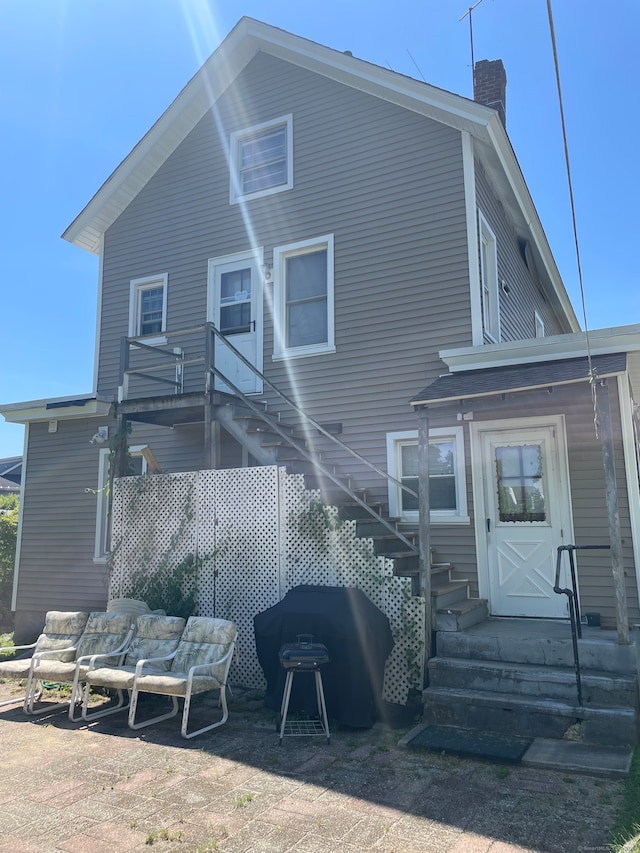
576 757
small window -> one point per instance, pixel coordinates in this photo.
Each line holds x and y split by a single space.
138 466
303 293
148 307
539 323
261 160
235 301
447 495
489 282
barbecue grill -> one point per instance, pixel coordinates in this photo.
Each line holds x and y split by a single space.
303 656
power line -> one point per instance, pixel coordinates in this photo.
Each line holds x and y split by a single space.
592 373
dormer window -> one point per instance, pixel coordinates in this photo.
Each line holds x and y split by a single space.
261 160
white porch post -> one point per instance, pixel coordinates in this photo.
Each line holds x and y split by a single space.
611 490
424 531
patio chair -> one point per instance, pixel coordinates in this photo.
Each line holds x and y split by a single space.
60 636
106 637
200 663
155 637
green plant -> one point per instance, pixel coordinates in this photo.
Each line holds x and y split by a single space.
9 508
243 800
626 830
170 588
317 523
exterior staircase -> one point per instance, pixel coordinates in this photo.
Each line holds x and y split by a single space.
272 441
518 676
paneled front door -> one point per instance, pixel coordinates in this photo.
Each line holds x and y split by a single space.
526 510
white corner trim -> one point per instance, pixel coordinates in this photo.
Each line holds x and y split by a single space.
96 344
475 300
23 482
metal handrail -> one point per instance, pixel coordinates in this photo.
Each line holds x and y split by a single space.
574 606
311 421
211 333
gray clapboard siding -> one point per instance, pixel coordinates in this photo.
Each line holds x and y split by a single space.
386 182
56 559
525 297
587 489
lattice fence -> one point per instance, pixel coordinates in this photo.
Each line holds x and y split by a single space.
256 533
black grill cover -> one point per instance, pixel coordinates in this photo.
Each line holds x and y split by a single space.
357 636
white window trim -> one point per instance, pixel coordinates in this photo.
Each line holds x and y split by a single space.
137 286
395 440
490 312
280 255
102 519
235 196
539 324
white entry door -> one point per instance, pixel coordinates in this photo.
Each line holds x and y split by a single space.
527 515
235 288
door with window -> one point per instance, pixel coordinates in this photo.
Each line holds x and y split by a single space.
235 286
526 517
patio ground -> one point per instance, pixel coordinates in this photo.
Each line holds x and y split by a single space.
76 788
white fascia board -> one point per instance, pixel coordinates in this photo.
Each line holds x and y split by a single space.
55 409
509 166
552 348
211 81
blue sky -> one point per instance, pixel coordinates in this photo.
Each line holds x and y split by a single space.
83 80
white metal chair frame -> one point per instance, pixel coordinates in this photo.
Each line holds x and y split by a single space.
193 671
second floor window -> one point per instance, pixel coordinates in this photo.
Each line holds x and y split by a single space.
148 307
261 160
489 282
303 295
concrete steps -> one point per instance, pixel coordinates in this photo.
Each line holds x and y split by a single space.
519 676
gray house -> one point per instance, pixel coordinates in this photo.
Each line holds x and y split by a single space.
302 229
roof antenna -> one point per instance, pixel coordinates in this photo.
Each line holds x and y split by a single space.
468 12
416 64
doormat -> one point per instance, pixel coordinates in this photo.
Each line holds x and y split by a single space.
471 744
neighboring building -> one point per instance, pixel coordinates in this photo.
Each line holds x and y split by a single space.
356 234
10 474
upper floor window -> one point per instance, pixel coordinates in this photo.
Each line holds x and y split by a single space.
539 323
148 306
261 159
489 281
447 494
303 296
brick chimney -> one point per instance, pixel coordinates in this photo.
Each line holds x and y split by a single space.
490 86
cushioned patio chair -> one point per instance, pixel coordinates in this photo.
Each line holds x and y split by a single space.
60 635
106 637
155 637
200 663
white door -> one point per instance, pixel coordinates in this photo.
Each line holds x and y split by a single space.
235 286
527 513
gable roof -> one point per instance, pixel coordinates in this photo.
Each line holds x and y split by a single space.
248 38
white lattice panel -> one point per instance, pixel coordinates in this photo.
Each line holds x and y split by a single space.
320 548
154 520
239 512
257 532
